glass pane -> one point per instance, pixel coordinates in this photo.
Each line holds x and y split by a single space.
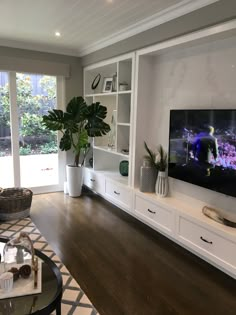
36 94
6 162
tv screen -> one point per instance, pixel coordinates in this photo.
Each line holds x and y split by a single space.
202 148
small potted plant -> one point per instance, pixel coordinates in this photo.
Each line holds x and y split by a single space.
159 161
79 122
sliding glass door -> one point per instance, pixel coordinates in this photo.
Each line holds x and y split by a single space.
6 158
35 157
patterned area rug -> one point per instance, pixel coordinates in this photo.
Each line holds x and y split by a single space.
74 300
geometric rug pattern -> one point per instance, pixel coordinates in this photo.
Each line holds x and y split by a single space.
74 300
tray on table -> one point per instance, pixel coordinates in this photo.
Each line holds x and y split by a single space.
24 286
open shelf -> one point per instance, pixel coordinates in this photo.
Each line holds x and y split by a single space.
124 92
123 124
101 94
111 150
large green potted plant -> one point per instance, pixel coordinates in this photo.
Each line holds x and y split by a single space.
79 122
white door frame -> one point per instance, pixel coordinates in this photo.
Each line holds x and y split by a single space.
14 129
60 97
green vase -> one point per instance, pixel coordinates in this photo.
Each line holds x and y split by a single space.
124 168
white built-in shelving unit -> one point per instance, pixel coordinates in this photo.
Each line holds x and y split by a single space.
120 105
196 70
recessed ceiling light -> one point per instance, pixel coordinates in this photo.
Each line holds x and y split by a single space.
57 34
109 1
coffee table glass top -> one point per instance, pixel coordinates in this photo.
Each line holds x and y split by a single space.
42 303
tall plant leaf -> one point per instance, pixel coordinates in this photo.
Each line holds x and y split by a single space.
95 126
54 120
78 109
151 154
65 143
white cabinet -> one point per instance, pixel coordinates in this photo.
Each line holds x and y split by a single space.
158 216
212 245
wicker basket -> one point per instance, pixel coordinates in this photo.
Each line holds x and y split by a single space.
15 203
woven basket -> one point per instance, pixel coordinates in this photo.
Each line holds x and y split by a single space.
15 203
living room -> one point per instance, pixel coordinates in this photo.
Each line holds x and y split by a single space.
126 261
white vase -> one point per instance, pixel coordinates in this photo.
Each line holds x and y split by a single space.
162 184
74 176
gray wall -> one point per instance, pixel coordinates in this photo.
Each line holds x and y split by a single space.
210 15
74 83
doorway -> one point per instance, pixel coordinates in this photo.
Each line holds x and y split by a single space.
29 154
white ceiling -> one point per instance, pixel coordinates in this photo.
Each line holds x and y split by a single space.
85 25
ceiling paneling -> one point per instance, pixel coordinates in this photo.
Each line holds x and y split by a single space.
85 25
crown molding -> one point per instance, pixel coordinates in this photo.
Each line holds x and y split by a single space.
173 12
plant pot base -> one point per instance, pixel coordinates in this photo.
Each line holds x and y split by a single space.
74 180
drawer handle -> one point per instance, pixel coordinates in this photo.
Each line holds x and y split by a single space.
154 212
92 180
206 241
117 193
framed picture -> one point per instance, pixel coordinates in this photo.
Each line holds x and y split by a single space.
107 85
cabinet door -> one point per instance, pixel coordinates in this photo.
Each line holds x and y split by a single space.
94 181
205 242
158 216
120 195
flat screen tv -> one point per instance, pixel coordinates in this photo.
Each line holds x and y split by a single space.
202 148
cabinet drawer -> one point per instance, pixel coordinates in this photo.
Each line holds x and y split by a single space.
119 194
215 246
160 217
94 181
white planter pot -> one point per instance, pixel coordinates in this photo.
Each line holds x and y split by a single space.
74 176
162 184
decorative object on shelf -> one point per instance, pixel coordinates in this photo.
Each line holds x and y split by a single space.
125 151
91 162
162 184
148 176
112 133
79 122
114 82
124 168
107 85
216 215
159 161
96 81
162 177
123 86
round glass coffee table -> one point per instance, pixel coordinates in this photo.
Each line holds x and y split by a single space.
43 303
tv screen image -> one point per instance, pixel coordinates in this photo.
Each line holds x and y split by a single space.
202 148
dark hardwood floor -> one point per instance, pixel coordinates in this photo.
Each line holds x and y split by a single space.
125 267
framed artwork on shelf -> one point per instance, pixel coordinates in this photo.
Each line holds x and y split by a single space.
107 85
